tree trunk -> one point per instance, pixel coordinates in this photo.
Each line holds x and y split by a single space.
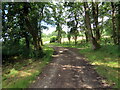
40 37
76 32
102 25
33 31
69 40
118 25
40 32
58 28
41 42
27 40
88 26
95 17
75 40
34 34
113 24
69 37
86 36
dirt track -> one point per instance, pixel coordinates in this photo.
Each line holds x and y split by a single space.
68 69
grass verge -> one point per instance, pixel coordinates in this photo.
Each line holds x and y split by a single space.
106 61
24 72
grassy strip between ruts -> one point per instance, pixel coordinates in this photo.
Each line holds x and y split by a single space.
105 61
23 73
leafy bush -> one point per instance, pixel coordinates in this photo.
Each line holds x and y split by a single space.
10 50
53 39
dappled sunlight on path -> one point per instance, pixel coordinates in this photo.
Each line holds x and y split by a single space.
68 69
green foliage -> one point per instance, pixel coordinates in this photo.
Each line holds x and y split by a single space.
9 50
69 35
45 39
19 20
53 39
24 72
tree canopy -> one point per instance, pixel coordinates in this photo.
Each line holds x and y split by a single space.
22 23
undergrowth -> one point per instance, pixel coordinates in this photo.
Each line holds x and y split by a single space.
24 72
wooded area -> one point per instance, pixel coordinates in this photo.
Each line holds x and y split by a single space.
22 32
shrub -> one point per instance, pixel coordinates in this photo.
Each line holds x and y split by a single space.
53 39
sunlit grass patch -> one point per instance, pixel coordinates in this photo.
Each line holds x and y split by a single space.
21 74
28 73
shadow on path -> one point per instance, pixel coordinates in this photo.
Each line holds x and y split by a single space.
68 69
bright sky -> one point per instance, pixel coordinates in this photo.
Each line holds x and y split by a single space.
65 28
53 28
49 30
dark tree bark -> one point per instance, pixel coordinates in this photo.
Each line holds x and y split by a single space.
34 34
58 28
32 30
86 36
95 17
75 39
88 26
69 37
86 31
76 31
27 40
40 35
40 29
118 24
114 36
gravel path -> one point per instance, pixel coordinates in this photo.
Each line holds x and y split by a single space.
68 69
